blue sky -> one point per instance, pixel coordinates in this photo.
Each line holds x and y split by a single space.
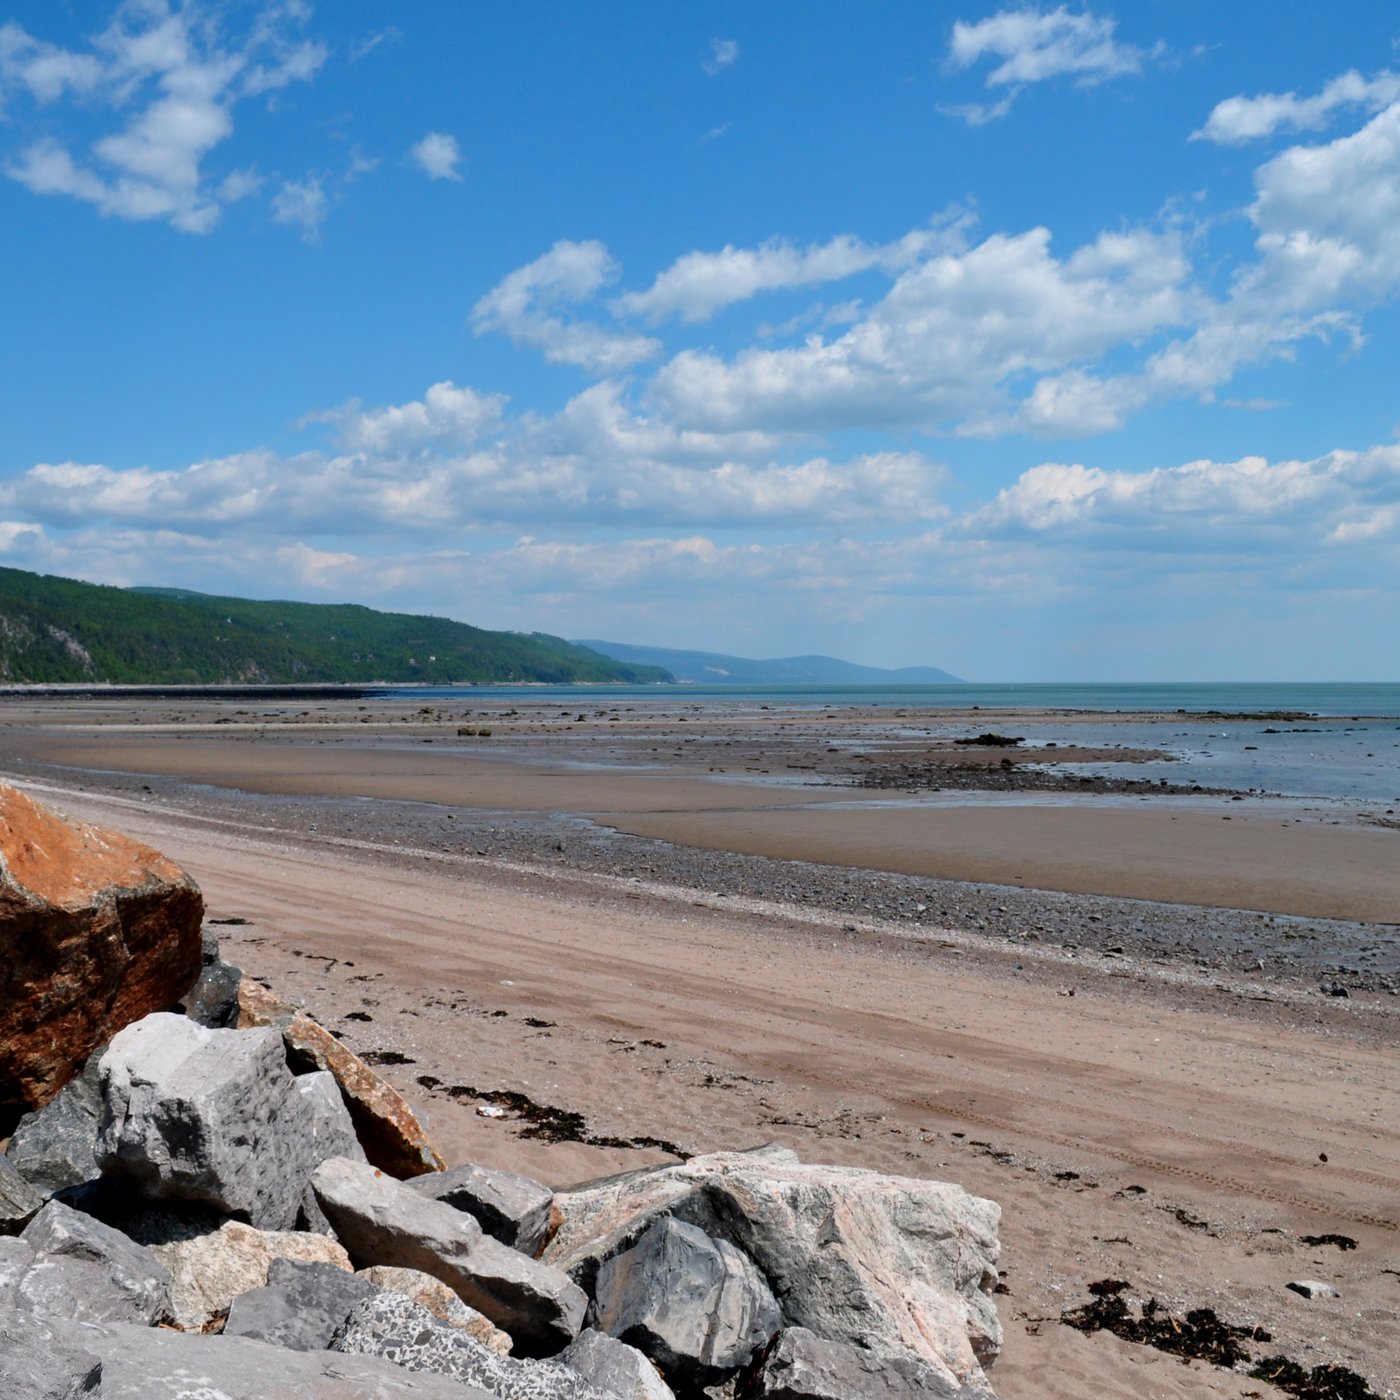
1031 342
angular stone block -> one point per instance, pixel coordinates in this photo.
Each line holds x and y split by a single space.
96 930
801 1366
301 1307
150 1363
433 1294
79 1268
19 1201
208 1116
694 1305
508 1207
382 1221
36 1366
52 1147
209 1270
398 1330
390 1133
890 1264
614 1367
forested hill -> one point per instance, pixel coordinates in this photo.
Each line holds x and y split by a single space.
56 630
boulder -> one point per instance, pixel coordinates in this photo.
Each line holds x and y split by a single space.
890 1264
96 930
19 1201
302 1306
382 1221
213 1000
150 1363
433 1294
69 1265
388 1130
52 1147
508 1207
695 1306
801 1366
208 1116
208 1271
614 1367
398 1330
37 1366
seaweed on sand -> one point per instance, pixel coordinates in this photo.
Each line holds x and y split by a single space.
1202 1336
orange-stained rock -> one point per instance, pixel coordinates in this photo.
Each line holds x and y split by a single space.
390 1133
96 931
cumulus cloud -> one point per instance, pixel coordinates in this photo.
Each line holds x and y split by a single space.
524 306
174 83
948 337
453 461
1341 496
724 53
1030 45
437 156
698 284
1238 120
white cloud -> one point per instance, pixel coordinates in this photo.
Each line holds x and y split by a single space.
520 306
451 461
166 74
1342 496
697 284
951 335
723 54
1240 119
446 418
437 156
1034 45
980 113
302 204
1329 221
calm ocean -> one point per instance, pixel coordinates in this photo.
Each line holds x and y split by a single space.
1349 752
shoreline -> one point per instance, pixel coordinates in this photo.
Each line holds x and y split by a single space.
1144 1098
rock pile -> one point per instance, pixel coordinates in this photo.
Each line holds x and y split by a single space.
225 1201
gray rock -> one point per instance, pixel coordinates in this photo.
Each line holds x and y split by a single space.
213 1000
382 1221
150 1363
333 1135
207 1115
801 1366
694 1305
69 1265
301 1307
508 1207
433 1294
35 1366
19 1201
890 1264
1313 1288
614 1367
393 1327
208 1270
53 1147
332 1130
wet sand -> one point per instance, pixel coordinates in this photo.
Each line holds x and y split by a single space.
1138 1118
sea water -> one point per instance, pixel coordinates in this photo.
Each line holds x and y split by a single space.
1348 747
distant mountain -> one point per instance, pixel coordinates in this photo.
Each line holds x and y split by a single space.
697 666
56 630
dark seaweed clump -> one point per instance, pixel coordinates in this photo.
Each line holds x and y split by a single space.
1202 1336
545 1121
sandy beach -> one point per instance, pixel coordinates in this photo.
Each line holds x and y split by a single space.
1159 1030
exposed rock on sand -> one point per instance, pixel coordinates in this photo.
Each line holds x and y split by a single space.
96 930
390 1134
